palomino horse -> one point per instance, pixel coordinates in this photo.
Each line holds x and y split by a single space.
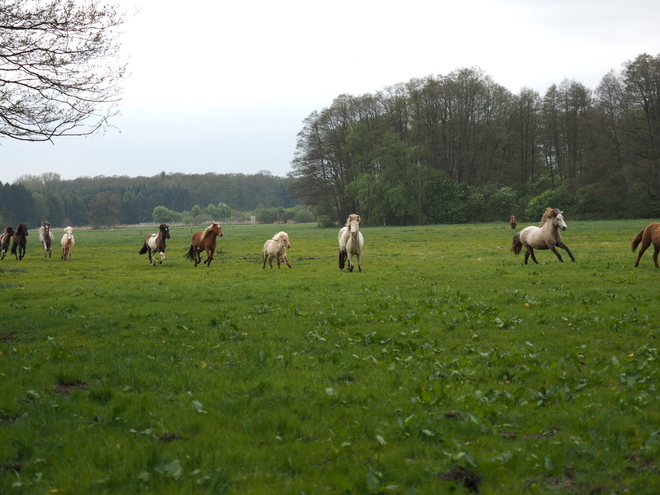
546 236
46 238
350 243
19 241
276 248
155 243
67 243
5 239
204 241
513 222
649 235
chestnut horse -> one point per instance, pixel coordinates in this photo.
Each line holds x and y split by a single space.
649 235
156 243
276 248
513 222
204 241
5 239
19 241
350 243
546 236
46 238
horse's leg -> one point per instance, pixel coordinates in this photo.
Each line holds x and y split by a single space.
162 257
278 260
554 250
209 257
359 257
270 260
287 261
565 248
350 261
641 252
656 250
528 253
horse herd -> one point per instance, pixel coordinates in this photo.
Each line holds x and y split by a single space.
350 240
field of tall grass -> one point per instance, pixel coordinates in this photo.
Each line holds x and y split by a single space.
445 366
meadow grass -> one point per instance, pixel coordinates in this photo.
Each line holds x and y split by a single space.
447 365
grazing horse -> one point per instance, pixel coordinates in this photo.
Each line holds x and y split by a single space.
204 241
350 243
46 238
276 248
67 243
546 236
155 243
649 235
5 239
513 222
19 241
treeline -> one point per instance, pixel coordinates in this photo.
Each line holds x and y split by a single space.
460 148
107 201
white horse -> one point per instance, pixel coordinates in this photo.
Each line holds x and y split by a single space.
351 243
67 243
546 236
276 248
156 243
46 238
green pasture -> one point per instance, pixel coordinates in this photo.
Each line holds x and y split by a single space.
445 366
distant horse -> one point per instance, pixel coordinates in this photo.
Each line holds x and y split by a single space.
350 243
156 243
5 239
513 222
46 238
19 241
276 248
546 236
649 235
67 243
204 241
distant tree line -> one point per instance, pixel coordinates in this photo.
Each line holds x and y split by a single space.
109 201
460 147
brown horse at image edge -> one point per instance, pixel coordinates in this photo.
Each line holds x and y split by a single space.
648 235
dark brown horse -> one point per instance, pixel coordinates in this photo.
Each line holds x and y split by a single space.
649 235
204 241
19 241
5 239
156 243
513 222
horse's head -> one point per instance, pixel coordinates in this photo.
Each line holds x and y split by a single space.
217 229
68 231
9 230
559 220
165 229
283 237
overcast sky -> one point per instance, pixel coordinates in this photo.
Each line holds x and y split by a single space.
224 87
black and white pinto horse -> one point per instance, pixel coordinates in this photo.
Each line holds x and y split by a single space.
5 239
351 243
46 238
156 243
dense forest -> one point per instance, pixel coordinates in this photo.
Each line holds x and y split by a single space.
109 201
460 147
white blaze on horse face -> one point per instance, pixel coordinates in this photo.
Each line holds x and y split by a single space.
560 222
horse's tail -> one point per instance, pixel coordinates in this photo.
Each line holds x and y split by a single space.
342 259
190 255
638 238
145 248
516 245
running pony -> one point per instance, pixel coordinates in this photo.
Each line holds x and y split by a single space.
276 248
46 238
5 239
546 236
19 241
67 243
649 235
351 243
156 243
204 241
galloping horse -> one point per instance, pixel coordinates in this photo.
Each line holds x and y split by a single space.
67 243
5 239
513 222
19 241
649 235
46 238
155 243
350 243
204 241
546 236
276 248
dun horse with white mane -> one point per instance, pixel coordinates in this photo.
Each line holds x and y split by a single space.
5 239
204 241
46 238
67 243
156 243
276 248
546 236
350 243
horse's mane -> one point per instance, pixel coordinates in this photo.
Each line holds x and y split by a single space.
548 214
207 230
352 217
280 236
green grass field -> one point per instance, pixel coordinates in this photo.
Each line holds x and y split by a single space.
446 366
